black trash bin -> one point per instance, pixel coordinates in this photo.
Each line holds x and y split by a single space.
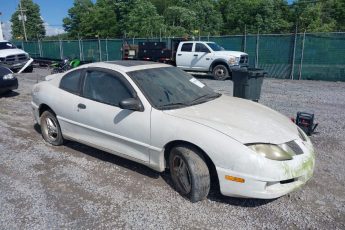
248 82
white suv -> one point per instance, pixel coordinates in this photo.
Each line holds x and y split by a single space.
209 57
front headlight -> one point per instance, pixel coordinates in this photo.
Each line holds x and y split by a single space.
232 60
8 76
302 134
273 152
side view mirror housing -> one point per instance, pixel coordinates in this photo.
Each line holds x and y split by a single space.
131 104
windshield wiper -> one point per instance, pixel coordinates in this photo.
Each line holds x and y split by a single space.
206 96
173 105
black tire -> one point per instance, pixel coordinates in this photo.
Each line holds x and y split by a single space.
50 128
194 182
220 72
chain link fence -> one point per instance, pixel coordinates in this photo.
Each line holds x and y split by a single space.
312 56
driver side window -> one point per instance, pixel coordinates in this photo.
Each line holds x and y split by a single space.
105 88
199 47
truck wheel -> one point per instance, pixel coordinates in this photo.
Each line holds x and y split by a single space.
189 173
220 72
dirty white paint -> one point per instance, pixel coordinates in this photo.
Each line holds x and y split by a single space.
220 127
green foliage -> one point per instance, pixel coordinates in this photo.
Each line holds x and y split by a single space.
77 18
143 20
34 24
265 16
146 18
314 17
103 17
180 21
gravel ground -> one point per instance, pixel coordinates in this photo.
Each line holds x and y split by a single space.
76 186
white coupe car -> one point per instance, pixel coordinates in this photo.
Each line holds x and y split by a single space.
162 117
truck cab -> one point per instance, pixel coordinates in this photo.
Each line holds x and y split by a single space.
209 57
12 57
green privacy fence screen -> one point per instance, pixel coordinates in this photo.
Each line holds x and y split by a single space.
314 56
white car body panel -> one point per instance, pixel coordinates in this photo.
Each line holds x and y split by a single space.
220 128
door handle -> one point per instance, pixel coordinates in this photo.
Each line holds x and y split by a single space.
81 106
207 59
195 55
179 54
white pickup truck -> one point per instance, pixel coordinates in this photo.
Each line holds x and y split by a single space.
12 57
209 57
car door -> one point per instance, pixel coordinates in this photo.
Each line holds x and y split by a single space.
184 56
104 124
64 104
202 57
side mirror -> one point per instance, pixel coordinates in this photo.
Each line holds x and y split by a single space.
19 47
131 104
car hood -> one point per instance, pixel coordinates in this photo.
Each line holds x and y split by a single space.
242 120
230 53
7 52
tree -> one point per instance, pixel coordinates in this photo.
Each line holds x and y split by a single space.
208 18
73 24
267 16
180 20
101 21
314 16
34 25
143 20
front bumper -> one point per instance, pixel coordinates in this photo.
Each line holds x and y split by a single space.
14 65
296 173
35 112
7 85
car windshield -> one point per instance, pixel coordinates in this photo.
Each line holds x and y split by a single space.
6 45
215 46
171 88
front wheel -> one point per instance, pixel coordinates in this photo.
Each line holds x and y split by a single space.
189 173
50 128
220 72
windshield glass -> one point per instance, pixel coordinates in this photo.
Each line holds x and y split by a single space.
170 87
215 46
6 45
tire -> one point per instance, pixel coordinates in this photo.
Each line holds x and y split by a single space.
189 173
50 128
220 72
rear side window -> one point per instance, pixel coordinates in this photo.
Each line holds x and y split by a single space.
71 82
105 88
187 47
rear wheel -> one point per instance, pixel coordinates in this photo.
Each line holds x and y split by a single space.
50 128
220 72
189 173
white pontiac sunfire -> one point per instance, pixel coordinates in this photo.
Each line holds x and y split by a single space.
162 117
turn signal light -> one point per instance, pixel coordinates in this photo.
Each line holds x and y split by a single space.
236 179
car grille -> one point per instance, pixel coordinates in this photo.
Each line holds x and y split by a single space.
295 147
244 59
15 58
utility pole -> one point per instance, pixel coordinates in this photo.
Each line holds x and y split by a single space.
22 18
1 34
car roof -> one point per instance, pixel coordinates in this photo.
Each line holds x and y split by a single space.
126 65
